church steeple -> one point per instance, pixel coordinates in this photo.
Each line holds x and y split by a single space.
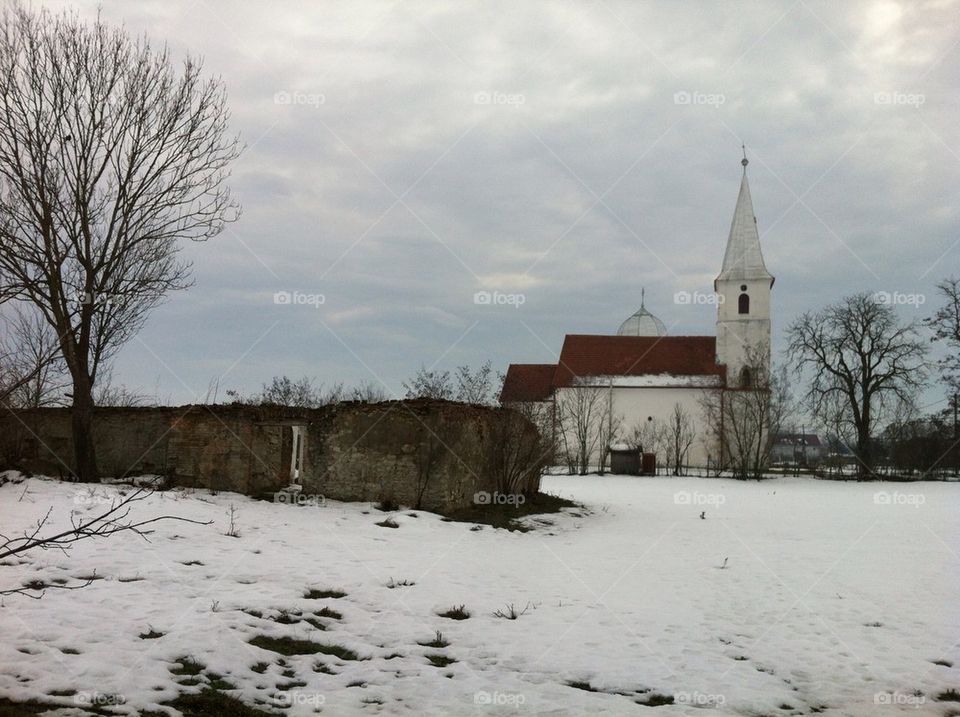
743 259
743 296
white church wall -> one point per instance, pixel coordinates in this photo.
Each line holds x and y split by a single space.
635 405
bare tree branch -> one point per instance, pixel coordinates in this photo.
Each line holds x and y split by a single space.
110 522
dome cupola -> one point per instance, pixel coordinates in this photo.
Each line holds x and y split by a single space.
642 323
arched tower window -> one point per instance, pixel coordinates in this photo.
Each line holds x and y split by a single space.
743 304
746 377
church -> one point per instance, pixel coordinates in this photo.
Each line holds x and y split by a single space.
641 377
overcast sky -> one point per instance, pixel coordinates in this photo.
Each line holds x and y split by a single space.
403 156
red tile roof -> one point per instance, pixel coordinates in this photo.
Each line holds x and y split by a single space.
585 355
528 382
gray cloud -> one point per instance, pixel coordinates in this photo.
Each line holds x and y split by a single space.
573 153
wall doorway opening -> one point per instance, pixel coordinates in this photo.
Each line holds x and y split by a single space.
292 445
296 463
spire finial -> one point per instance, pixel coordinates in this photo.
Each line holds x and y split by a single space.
643 293
744 161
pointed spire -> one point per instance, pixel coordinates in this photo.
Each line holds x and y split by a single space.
643 296
743 259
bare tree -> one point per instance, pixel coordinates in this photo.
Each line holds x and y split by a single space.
369 392
945 324
110 157
920 445
610 426
476 386
712 407
647 434
430 383
430 450
745 421
542 414
516 453
466 385
304 392
840 432
31 370
582 417
680 435
117 395
284 391
862 361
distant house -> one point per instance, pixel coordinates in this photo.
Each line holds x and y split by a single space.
804 449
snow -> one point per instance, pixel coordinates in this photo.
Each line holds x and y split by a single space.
789 592
653 380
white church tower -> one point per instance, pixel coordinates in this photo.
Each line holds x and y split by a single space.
743 285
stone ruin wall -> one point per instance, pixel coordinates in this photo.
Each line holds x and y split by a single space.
437 454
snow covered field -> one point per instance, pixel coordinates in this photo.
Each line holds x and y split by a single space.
792 596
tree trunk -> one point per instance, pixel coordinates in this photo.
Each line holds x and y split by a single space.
865 467
84 455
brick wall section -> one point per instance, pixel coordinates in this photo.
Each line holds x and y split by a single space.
437 454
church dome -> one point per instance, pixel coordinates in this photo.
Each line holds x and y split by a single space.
642 323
